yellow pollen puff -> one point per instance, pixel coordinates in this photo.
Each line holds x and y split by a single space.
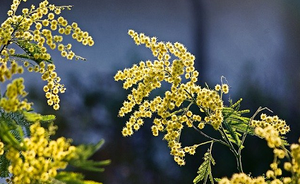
189 113
45 22
55 106
38 26
57 11
46 88
61 30
60 47
36 68
30 69
74 25
51 67
218 87
64 53
53 27
69 46
201 125
51 16
225 88
270 174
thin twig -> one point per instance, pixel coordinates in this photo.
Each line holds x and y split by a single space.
232 149
251 119
239 153
209 137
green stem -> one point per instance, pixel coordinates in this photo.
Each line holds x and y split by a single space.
251 119
237 154
211 138
206 142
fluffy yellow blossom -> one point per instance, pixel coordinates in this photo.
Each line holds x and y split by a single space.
268 129
40 157
32 156
1 148
294 165
278 124
271 135
12 101
225 88
172 110
210 101
242 178
34 31
9 68
53 86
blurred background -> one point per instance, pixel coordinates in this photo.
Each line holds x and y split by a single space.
254 44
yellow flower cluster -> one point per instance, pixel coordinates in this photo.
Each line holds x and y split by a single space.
224 88
210 102
12 102
181 74
275 172
53 86
41 16
1 148
40 159
273 175
294 165
44 28
242 178
6 71
278 124
271 135
295 152
33 30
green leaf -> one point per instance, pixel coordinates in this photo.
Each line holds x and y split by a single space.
242 127
235 124
10 134
4 163
30 49
236 105
69 177
83 152
232 134
65 177
217 179
91 182
90 165
204 171
34 117
48 118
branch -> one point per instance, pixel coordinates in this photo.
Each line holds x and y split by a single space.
239 153
251 119
209 137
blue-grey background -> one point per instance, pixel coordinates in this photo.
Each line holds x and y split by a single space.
254 44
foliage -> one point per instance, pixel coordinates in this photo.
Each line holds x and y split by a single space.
185 104
28 154
204 171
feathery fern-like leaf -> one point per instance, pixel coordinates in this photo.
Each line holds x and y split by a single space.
83 152
204 171
30 50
